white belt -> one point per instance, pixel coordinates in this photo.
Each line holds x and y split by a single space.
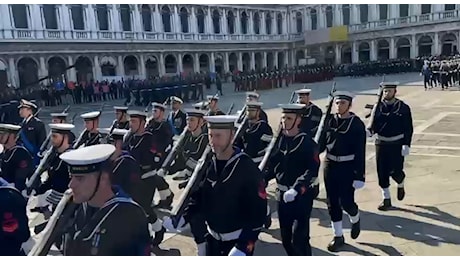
345 158
389 139
225 236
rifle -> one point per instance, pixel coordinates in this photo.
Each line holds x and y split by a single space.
375 107
320 137
56 226
172 154
78 141
33 181
230 109
47 140
192 185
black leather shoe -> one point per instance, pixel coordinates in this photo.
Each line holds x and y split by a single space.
336 244
385 205
355 229
401 193
166 203
159 236
268 221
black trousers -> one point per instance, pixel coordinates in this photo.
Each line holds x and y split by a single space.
294 219
390 163
216 247
338 181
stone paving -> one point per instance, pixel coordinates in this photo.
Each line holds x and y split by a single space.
427 222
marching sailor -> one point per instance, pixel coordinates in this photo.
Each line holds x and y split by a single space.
176 117
231 199
17 163
108 222
33 132
254 97
61 118
258 135
311 115
213 107
345 165
393 127
13 218
121 121
161 140
127 174
91 135
194 145
58 173
295 164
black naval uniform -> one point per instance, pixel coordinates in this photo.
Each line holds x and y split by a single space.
345 163
127 174
118 228
233 220
295 164
393 128
218 112
190 153
178 121
311 116
32 135
89 139
120 125
17 166
255 140
13 220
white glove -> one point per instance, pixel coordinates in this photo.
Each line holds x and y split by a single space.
168 225
201 249
183 173
149 174
405 150
161 172
358 185
368 133
289 195
236 252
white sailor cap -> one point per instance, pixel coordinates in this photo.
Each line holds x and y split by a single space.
195 112
88 159
252 95
389 84
158 105
343 95
59 115
254 104
221 121
117 133
200 105
118 108
137 113
1 148
304 91
27 104
61 128
90 115
13 101
292 108
176 99
212 97
9 128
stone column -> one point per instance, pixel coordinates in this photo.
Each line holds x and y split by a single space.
71 73
337 13
65 23
157 20
14 81
137 20
208 22
392 48
394 11
354 52
142 67
6 21
238 22
338 54
251 23
212 63
115 12
264 59
262 29
274 23
240 61
97 69
193 25
36 21
413 47
286 58
354 14
176 20
226 62
162 65
180 66
373 50
435 50
43 69
223 22
275 59
196 62
120 66
285 24
252 64
91 21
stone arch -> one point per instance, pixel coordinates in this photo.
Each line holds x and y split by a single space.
347 54
246 62
184 16
170 63
3 75
403 48
270 61
215 17
152 68
425 43
27 72
187 63
449 44
299 55
219 64
281 63
258 62
204 62
329 55
233 62
383 49
84 68
364 51
131 65
108 66
56 68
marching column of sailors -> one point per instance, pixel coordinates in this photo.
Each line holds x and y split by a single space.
115 183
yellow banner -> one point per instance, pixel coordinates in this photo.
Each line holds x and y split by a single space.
338 33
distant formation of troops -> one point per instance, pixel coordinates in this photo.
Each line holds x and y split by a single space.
444 73
223 164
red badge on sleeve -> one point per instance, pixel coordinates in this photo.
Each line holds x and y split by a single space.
23 164
262 192
316 156
250 247
9 224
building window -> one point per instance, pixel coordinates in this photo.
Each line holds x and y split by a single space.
346 14
20 16
403 10
50 17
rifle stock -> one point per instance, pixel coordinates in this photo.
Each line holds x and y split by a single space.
320 135
172 154
33 181
375 108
